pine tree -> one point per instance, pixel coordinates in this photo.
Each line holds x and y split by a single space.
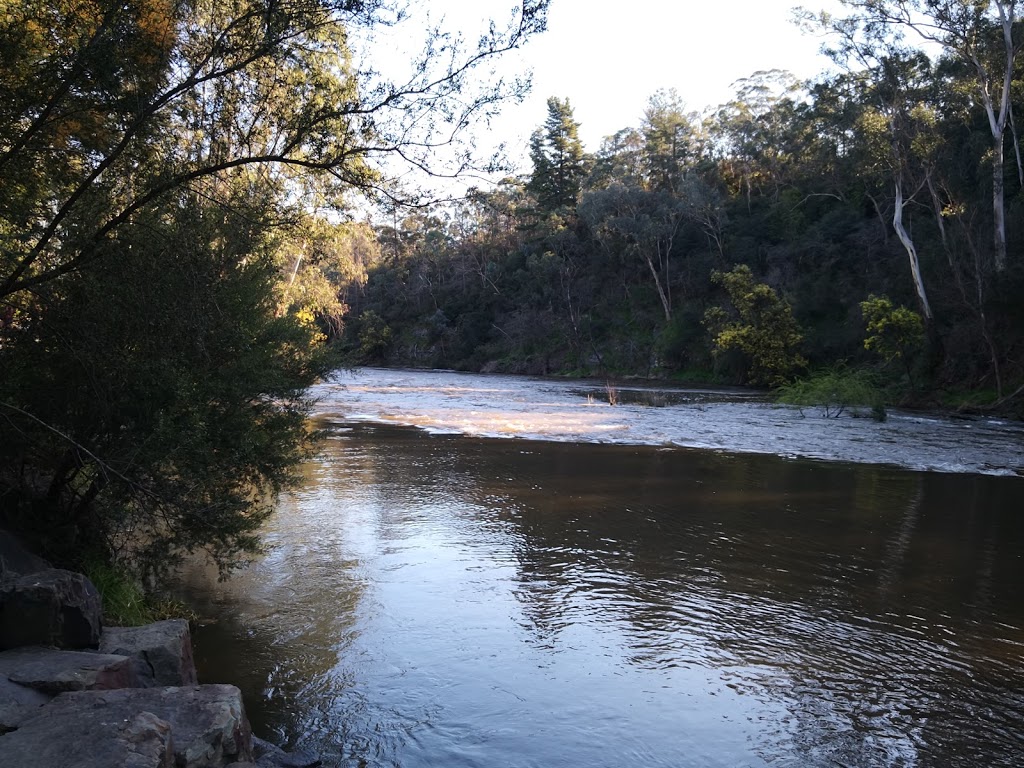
559 162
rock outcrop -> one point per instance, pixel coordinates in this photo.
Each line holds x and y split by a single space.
205 727
76 695
268 755
53 607
15 557
161 653
84 737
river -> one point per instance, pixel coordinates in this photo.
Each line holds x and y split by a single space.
489 571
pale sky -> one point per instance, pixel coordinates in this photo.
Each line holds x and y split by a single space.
609 57
609 62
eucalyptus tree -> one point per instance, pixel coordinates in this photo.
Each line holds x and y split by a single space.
897 133
620 158
668 134
318 263
753 133
639 223
985 35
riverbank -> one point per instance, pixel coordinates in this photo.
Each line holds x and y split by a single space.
78 694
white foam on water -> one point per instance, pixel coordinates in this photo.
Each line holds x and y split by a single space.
446 402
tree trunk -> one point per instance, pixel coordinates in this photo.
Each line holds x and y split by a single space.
915 266
665 303
998 210
1016 149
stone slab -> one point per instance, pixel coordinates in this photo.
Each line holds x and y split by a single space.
53 671
18 703
161 652
207 723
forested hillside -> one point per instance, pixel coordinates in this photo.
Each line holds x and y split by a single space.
869 219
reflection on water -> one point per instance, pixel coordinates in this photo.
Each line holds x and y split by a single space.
447 601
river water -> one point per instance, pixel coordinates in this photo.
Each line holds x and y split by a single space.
689 578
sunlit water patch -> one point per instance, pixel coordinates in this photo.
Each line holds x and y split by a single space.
444 402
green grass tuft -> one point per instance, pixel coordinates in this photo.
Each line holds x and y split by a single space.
125 603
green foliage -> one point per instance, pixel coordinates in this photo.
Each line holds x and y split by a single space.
125 602
559 163
158 404
315 260
795 180
164 290
761 327
835 390
374 335
893 332
668 134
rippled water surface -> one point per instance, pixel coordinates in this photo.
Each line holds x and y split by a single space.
436 599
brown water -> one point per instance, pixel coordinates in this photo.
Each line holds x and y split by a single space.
438 600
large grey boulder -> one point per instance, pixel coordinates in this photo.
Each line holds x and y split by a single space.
18 703
51 607
51 671
161 652
16 558
207 722
74 737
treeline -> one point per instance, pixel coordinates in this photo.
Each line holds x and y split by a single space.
871 218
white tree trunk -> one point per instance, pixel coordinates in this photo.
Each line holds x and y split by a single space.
997 120
908 243
998 206
665 303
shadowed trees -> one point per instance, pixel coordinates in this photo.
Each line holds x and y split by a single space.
166 278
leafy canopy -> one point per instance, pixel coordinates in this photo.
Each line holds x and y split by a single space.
760 326
165 285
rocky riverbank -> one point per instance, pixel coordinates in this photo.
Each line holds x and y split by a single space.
77 694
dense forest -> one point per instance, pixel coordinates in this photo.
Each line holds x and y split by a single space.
849 222
182 254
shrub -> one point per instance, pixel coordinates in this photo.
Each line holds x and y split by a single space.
893 332
835 391
761 327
